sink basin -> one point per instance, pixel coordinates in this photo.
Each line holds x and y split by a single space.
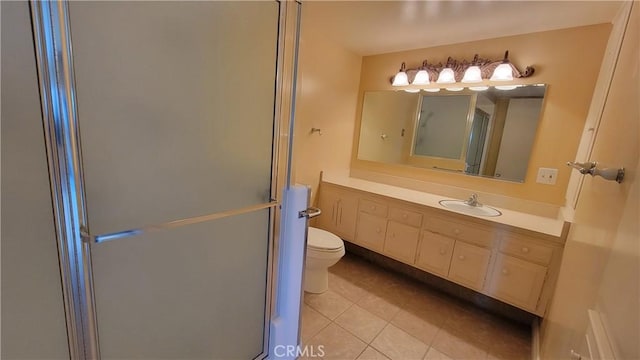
461 206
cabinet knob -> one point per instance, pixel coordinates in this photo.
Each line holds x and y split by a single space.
443 251
456 231
461 257
525 249
404 216
505 271
378 230
393 235
373 207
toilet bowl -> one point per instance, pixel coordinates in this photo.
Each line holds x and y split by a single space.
324 249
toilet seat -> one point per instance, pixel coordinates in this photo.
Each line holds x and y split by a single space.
319 240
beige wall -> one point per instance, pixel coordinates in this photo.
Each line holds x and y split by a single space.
328 78
600 268
567 60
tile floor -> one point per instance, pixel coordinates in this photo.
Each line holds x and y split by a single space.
371 313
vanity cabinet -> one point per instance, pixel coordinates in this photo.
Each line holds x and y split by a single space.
517 282
469 265
340 209
401 242
513 265
370 231
458 252
434 253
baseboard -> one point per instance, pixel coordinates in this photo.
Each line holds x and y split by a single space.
535 339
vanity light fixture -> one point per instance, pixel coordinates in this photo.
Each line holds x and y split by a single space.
422 76
401 78
504 71
473 74
477 75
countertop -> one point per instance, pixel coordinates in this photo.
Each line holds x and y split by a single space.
545 225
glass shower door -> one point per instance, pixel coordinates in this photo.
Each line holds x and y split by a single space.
175 109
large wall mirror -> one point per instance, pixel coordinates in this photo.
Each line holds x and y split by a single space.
488 133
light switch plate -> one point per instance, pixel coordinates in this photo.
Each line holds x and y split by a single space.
547 176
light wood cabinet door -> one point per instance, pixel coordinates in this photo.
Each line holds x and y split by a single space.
517 282
339 212
434 253
370 231
346 216
469 265
401 242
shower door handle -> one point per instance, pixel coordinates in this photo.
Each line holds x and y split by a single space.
309 213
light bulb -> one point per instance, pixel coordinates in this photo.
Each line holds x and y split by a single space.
472 75
447 76
421 78
401 78
503 72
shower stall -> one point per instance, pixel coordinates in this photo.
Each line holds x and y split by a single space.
167 140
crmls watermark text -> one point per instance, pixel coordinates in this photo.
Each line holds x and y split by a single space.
298 351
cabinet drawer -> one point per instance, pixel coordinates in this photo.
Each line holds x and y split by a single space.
372 207
469 265
517 281
476 234
401 242
370 231
434 253
526 249
408 217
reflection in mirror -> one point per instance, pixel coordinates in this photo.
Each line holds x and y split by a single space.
488 133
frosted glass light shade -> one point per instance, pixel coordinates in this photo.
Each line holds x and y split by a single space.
421 78
506 87
502 73
478 88
412 90
454 88
446 76
434 90
472 75
400 79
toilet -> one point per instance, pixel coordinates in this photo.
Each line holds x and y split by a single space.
324 249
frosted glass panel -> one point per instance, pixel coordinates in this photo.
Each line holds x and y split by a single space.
175 105
192 292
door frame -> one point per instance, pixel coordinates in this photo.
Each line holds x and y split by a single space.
56 80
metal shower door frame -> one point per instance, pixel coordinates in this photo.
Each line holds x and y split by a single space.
54 59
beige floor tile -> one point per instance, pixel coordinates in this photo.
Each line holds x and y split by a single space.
371 354
336 343
419 325
398 345
379 306
450 344
509 347
434 354
361 323
348 288
329 303
312 322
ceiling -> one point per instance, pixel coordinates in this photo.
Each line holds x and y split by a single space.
376 27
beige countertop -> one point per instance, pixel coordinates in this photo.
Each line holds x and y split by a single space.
545 225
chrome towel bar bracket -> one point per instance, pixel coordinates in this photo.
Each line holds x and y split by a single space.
591 168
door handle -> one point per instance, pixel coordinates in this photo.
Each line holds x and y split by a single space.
310 212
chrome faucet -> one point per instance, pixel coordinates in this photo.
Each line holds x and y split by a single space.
473 200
